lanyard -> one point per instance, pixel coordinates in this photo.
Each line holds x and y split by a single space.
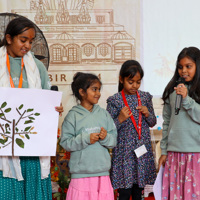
21 76
138 128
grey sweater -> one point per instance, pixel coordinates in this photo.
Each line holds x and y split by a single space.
181 133
88 160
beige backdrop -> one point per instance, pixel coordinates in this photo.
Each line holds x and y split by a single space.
94 36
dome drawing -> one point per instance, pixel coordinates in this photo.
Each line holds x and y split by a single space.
121 36
64 36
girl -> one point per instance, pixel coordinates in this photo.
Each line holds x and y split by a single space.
133 114
87 132
24 177
181 138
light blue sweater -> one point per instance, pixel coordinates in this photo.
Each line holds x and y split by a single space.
88 160
15 65
181 133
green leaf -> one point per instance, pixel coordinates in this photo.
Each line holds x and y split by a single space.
27 136
37 114
2 141
16 129
28 122
29 110
21 106
7 110
3 104
31 118
27 128
20 142
1 114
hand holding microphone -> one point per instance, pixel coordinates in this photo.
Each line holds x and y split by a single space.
181 92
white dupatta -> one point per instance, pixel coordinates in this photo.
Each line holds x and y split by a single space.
11 165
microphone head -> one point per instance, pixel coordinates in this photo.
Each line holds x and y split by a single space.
54 87
180 80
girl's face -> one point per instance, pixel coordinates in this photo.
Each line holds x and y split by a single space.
131 85
187 69
20 44
92 95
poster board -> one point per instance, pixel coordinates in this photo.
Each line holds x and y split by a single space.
28 121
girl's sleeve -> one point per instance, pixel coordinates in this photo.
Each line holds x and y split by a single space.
151 120
45 82
69 140
166 121
110 141
192 108
114 112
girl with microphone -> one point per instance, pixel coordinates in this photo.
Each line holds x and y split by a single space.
181 133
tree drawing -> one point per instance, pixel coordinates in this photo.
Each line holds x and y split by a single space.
10 133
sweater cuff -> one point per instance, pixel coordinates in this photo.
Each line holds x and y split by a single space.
186 100
163 152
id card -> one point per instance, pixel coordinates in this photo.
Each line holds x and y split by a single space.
140 151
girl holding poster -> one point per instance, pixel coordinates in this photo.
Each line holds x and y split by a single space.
23 177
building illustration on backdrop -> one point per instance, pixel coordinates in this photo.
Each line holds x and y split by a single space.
78 34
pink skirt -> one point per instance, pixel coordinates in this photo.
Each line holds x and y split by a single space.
181 178
91 188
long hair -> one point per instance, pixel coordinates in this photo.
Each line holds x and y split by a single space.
17 26
192 53
129 69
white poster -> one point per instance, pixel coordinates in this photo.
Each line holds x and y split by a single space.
28 121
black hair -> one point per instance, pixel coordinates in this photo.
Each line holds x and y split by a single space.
129 69
17 26
83 81
192 53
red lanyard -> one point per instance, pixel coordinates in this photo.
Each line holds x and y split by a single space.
139 127
21 76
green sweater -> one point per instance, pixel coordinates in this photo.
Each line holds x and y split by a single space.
88 160
15 66
181 133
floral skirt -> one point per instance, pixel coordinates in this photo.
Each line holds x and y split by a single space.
181 178
91 188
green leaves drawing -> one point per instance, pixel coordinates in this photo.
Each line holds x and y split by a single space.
21 106
29 110
27 116
4 104
19 142
28 122
3 141
27 128
7 110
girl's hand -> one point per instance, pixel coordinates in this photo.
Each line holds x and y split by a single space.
103 133
94 137
143 110
181 89
59 109
124 114
162 161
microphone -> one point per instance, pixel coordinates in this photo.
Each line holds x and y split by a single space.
54 87
179 97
